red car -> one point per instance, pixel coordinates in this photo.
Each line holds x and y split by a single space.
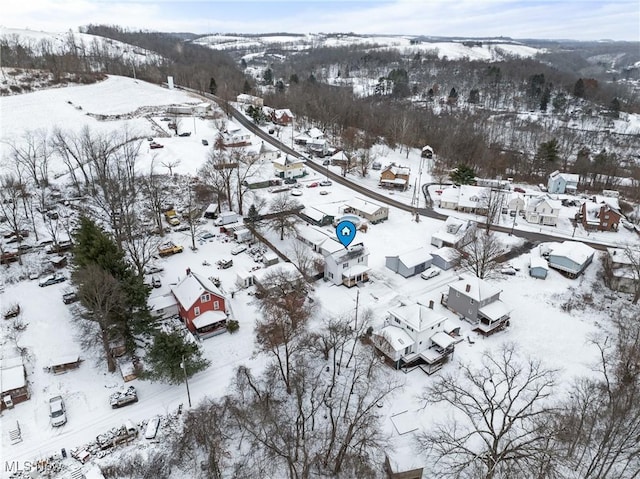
155 146
312 185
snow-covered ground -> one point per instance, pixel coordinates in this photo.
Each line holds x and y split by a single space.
539 325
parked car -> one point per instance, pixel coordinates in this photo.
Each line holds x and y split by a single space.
517 189
315 184
324 192
71 297
225 263
290 181
155 282
54 279
326 162
185 133
155 146
239 249
326 183
429 273
509 270
153 270
296 192
205 142
152 428
57 411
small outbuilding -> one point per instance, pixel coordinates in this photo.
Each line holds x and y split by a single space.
410 263
13 382
538 267
445 258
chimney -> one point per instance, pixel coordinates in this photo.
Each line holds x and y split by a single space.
188 271
431 304
468 288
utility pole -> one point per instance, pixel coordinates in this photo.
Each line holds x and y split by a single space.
357 301
183 365
514 221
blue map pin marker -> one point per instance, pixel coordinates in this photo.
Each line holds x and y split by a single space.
346 232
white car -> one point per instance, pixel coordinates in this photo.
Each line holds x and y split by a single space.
239 249
430 273
296 192
57 412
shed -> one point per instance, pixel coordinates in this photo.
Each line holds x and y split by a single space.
62 364
270 258
538 267
244 279
242 235
58 261
13 382
445 258
211 212
164 306
410 263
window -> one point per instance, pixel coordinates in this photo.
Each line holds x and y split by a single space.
345 265
396 320
470 301
205 298
216 305
457 294
606 217
197 311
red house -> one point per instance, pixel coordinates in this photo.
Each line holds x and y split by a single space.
282 117
201 305
600 216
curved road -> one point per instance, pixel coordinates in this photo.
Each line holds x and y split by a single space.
428 212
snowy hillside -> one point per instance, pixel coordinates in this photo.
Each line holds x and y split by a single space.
60 42
474 50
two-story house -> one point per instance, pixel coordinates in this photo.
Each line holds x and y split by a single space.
367 209
396 177
234 137
415 335
454 233
201 305
288 166
478 302
542 210
282 117
622 269
347 266
599 216
560 183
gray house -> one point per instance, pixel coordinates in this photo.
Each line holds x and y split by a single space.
410 263
478 302
538 267
445 258
562 183
570 258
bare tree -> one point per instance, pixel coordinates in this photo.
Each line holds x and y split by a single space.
218 172
480 256
598 427
492 203
32 153
171 164
11 191
153 191
501 407
305 260
247 167
283 208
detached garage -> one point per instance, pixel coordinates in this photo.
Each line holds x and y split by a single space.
410 263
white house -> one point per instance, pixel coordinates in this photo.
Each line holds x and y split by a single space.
516 202
562 182
234 136
289 167
473 199
542 210
347 266
449 198
367 209
415 335
245 99
263 151
454 233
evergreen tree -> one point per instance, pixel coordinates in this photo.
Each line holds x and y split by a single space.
615 108
243 64
536 86
267 76
280 86
430 94
213 88
312 78
463 175
253 217
578 88
544 100
474 96
547 157
171 355
246 88
559 102
293 78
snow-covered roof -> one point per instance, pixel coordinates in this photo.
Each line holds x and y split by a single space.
339 156
208 318
442 339
313 213
161 301
366 206
397 338
343 255
395 181
450 195
67 359
284 111
538 262
576 251
398 170
417 316
473 196
479 289
315 133
289 161
192 287
568 177
355 270
331 247
12 374
288 270
415 257
624 256
309 233
495 310
446 253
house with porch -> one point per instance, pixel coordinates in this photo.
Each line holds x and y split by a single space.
599 216
250 100
234 137
395 177
347 266
410 263
455 233
571 258
560 183
201 305
416 335
448 198
473 199
542 210
288 166
478 302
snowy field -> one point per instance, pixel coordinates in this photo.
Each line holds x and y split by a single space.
539 325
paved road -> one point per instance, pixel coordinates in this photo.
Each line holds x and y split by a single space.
428 212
